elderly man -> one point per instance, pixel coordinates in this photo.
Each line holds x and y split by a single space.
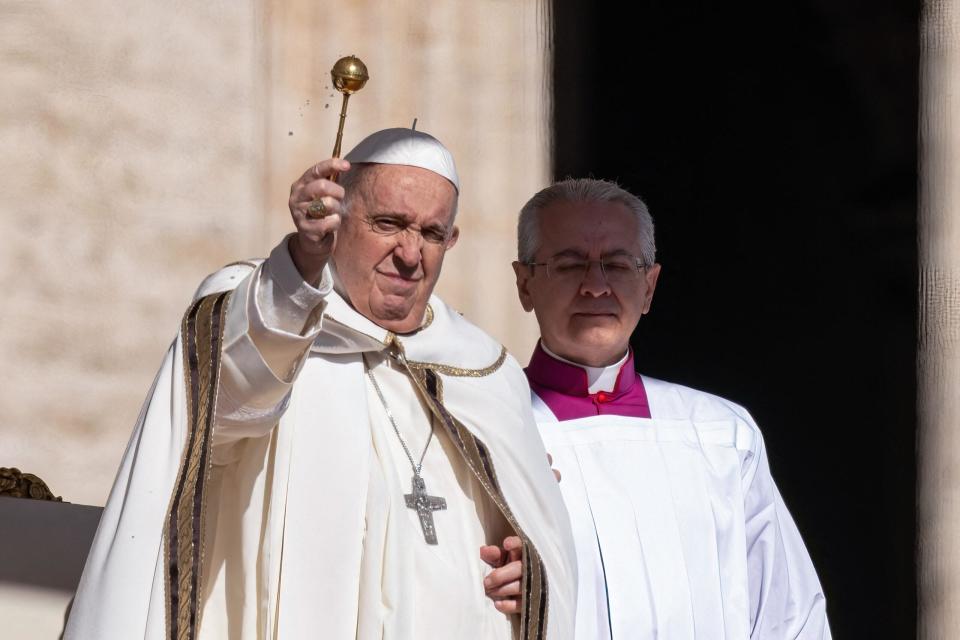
327 446
679 528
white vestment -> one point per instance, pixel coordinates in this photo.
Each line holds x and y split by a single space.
307 534
446 596
680 530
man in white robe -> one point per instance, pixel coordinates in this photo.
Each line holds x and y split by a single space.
679 528
327 446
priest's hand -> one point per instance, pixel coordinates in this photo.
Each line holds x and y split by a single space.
502 585
316 205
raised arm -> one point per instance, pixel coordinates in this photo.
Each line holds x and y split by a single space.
276 312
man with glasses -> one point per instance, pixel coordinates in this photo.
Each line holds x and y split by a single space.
328 445
679 528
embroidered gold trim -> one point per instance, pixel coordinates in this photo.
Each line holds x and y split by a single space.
426 322
184 541
438 381
427 318
461 372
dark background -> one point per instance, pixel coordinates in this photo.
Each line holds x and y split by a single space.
775 144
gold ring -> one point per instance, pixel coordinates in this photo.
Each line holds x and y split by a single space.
316 209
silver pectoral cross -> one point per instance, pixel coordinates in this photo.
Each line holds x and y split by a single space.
425 505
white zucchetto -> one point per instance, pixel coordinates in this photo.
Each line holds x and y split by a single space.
406 147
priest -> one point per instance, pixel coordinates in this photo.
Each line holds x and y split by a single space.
679 528
327 445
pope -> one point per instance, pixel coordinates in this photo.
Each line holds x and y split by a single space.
328 445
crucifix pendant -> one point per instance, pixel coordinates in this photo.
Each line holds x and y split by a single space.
425 505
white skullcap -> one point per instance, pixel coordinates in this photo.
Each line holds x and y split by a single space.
407 147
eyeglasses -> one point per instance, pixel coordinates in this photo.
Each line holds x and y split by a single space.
387 225
621 268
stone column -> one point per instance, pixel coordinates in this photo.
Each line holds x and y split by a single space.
938 461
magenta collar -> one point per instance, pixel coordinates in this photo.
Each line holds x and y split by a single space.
563 387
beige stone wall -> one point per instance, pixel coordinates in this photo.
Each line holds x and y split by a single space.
143 147
131 159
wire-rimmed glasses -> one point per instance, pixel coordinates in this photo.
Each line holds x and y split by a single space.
619 268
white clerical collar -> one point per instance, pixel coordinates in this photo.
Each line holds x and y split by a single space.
598 378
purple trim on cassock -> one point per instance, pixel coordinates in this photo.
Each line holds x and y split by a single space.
563 387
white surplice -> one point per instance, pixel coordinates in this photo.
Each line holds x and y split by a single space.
680 530
307 531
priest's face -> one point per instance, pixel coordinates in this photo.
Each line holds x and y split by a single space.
587 313
391 244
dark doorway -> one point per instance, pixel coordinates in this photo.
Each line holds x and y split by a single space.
775 144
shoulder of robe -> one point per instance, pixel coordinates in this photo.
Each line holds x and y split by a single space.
693 404
678 402
458 344
226 278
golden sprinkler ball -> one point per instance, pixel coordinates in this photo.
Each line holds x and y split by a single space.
349 74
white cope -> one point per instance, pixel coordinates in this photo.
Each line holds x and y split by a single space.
307 529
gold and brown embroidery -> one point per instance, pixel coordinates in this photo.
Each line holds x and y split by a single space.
460 372
202 338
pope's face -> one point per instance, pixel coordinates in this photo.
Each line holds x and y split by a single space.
586 317
391 245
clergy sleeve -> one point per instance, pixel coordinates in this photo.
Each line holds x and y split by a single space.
288 311
272 319
786 600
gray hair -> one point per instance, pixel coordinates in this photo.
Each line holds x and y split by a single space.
359 176
582 190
